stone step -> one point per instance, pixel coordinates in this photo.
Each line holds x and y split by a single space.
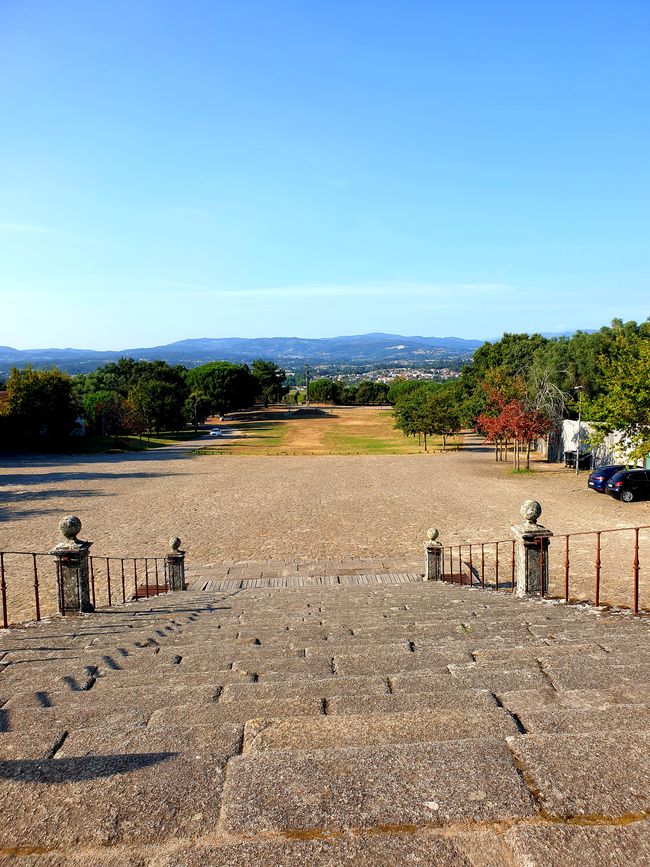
317 687
537 701
145 697
466 700
556 845
614 717
430 848
67 718
374 659
25 745
106 800
325 791
217 714
218 740
596 776
477 677
570 674
372 730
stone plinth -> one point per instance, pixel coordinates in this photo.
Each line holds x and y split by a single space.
531 552
432 556
73 584
175 565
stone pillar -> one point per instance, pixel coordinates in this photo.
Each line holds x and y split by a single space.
432 556
73 585
175 565
531 552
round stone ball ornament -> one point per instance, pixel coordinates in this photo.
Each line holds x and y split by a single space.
530 511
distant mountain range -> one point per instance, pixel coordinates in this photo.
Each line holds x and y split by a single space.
287 351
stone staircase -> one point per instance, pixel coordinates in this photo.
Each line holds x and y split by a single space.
368 724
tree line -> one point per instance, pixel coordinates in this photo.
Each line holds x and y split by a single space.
128 397
521 387
365 393
514 390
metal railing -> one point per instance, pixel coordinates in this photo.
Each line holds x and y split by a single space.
599 567
489 565
30 583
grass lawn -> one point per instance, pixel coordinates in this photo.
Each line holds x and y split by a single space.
132 443
337 431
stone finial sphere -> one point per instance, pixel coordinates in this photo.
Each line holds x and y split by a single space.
70 527
531 510
175 543
432 534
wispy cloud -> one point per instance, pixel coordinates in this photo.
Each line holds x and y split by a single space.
25 228
397 289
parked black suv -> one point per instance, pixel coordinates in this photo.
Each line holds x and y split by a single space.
629 485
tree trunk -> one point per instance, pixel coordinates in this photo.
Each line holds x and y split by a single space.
425 441
528 457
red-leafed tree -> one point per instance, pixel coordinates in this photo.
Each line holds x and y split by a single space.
512 419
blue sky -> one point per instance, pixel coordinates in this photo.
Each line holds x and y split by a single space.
312 168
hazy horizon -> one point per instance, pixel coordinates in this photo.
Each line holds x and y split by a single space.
284 337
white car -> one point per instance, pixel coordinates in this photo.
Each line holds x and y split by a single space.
216 432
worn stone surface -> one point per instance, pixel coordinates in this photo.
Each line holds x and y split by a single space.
374 729
571 846
385 724
104 800
593 775
372 787
365 851
469 700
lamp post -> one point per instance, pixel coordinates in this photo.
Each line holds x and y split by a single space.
578 388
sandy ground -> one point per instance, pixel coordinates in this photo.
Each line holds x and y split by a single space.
308 508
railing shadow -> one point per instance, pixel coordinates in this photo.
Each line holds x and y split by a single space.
78 769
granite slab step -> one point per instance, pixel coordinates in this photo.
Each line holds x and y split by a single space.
367 850
614 717
467 700
596 776
145 697
30 745
361 788
105 800
370 730
310 688
218 740
571 846
478 677
536 701
376 661
216 714
569 674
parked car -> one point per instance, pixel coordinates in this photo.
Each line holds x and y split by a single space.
628 485
599 477
216 432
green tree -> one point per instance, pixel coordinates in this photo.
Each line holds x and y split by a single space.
370 393
325 390
40 404
625 405
271 381
105 412
227 386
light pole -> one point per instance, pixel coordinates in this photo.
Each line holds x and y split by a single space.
306 385
578 388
